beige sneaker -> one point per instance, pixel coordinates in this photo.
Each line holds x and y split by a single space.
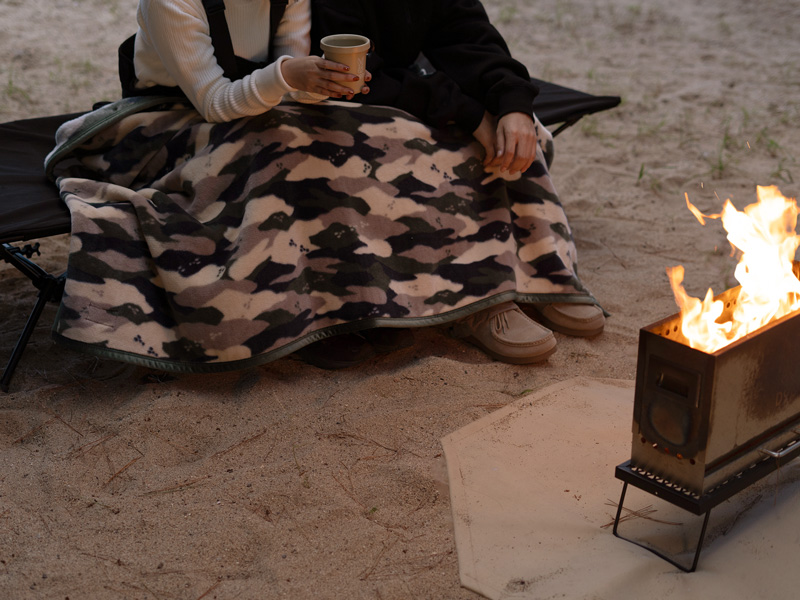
582 320
507 334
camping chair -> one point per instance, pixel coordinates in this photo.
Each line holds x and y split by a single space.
31 209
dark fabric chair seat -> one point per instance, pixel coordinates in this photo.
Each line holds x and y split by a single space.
557 104
30 207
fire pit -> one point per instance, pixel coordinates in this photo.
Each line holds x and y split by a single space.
709 421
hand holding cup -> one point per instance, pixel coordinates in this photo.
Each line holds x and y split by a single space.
321 76
351 50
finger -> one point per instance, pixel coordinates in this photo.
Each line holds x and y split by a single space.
509 153
332 93
339 76
531 159
489 157
330 65
497 160
330 87
523 158
500 143
534 148
526 165
520 164
525 151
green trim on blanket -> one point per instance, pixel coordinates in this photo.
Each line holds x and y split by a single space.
96 121
352 327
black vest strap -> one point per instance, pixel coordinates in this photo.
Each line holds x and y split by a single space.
233 66
221 37
127 72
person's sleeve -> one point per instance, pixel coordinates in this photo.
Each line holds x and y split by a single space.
435 99
463 43
180 35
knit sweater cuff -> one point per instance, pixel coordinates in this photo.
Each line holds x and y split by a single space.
267 86
279 73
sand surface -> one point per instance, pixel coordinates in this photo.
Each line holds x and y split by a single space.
286 481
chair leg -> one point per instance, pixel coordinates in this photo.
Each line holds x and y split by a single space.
19 348
50 290
568 123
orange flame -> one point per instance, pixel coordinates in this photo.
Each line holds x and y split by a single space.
765 234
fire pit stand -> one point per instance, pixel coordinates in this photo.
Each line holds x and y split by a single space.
698 505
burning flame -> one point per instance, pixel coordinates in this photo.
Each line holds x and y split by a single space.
765 235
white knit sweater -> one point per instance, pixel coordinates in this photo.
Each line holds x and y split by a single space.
173 47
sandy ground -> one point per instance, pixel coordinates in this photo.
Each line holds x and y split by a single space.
286 481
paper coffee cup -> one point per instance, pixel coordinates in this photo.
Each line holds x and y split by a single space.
349 49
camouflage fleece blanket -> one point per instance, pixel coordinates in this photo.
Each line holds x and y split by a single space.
205 247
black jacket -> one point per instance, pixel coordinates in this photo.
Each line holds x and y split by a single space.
474 68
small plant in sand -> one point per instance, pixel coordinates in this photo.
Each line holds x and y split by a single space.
507 15
15 92
782 172
647 178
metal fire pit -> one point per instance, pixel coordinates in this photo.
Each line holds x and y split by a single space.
708 425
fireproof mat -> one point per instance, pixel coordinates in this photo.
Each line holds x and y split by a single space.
534 497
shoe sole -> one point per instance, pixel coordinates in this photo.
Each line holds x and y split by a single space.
534 314
567 330
514 360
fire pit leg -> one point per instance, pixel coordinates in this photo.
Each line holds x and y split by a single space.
653 550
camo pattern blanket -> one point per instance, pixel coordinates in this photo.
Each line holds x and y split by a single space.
204 247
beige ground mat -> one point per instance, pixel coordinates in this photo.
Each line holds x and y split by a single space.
534 496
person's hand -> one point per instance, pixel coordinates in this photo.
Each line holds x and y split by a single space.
516 142
320 76
509 144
